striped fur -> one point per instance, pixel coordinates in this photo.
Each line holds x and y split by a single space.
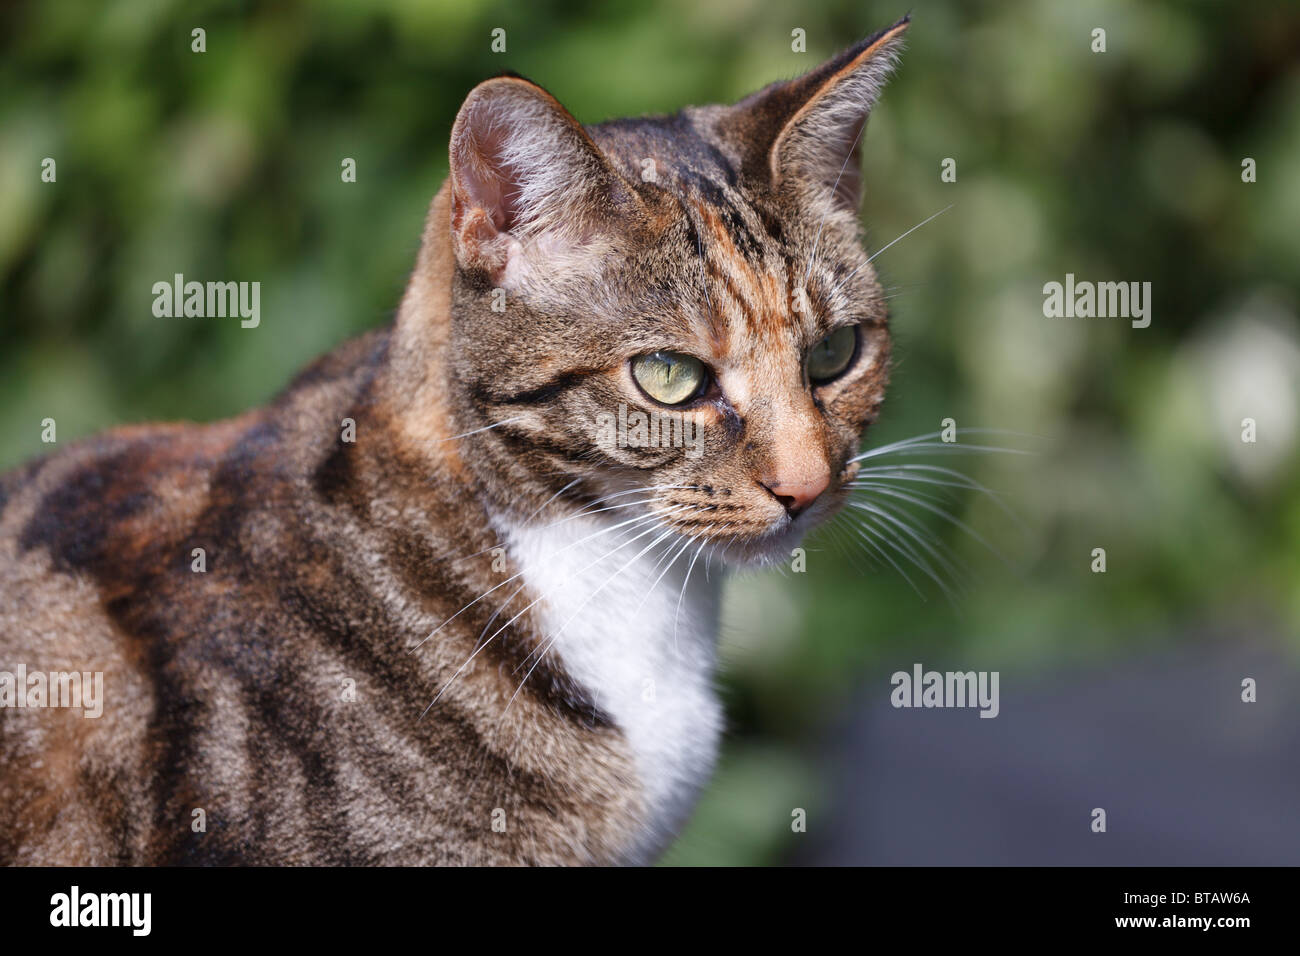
285 691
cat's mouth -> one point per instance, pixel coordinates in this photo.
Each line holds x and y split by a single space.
779 544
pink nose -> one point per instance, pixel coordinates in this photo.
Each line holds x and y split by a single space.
797 495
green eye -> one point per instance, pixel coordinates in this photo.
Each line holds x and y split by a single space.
832 355
668 377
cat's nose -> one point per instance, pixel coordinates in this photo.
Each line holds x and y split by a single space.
797 494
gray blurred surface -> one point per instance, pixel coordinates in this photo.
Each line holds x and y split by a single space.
1188 774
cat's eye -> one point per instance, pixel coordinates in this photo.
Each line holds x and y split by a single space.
832 355
669 377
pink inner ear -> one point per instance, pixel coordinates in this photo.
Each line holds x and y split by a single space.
483 176
526 184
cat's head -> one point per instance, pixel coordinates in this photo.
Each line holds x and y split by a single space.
670 313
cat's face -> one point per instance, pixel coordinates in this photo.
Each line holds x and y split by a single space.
671 315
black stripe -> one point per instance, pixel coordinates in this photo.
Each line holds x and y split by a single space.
534 396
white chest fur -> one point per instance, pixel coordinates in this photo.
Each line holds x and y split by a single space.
642 643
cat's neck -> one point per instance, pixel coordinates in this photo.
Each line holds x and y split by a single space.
634 626
414 384
631 615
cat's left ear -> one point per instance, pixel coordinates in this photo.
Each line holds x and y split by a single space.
809 130
532 195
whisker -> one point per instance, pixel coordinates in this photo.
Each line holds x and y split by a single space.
862 527
708 558
910 231
946 515
537 600
507 421
904 472
650 590
661 560
840 285
837 533
685 581
494 547
586 512
882 485
551 642
950 448
812 259
552 498
412 650
927 442
907 550
948 559
572 544
586 508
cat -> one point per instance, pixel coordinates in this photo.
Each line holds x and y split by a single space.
417 610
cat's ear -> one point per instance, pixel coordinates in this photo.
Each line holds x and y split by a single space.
530 190
807 133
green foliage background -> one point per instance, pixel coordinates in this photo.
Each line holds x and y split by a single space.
1123 165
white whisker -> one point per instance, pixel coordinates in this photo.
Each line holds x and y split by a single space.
647 518
554 637
910 231
685 581
552 498
946 515
812 259
863 527
907 550
507 421
840 285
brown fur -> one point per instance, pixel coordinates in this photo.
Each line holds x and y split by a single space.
330 561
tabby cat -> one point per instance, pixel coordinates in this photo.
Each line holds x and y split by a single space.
421 609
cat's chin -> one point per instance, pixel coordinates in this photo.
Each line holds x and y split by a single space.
770 550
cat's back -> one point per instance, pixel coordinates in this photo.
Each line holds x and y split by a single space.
114 553
133 506
84 532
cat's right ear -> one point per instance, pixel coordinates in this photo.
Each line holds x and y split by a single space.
804 135
530 190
